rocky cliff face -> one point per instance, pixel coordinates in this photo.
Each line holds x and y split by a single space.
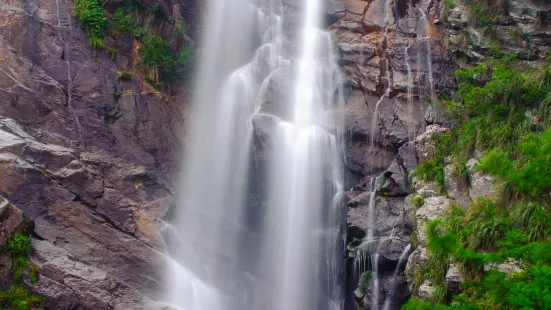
88 156
398 56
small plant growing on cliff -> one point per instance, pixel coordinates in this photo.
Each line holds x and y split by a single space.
432 171
151 82
19 246
156 52
93 20
121 21
126 76
364 282
98 43
19 297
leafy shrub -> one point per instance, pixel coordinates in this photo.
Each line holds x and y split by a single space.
156 52
503 108
19 297
530 173
488 225
121 21
432 170
126 76
533 219
93 20
19 246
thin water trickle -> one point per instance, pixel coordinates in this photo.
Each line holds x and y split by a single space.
425 36
385 70
411 126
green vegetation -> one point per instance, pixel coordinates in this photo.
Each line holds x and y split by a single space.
156 52
126 76
447 6
431 170
502 108
364 282
121 21
152 82
162 60
19 246
18 296
93 19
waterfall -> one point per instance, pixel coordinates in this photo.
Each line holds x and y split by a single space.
256 224
394 282
385 70
426 37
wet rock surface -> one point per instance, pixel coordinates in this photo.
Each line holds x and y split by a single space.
392 64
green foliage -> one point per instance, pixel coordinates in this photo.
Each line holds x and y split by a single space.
180 29
447 6
532 219
19 266
19 297
19 246
126 76
152 82
364 282
484 13
530 171
156 52
488 224
504 109
98 43
121 22
93 20
34 272
432 170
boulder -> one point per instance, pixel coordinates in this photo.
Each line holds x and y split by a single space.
432 208
482 184
454 279
426 291
12 221
425 145
65 282
456 185
416 260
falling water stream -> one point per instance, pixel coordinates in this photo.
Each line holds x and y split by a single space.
219 259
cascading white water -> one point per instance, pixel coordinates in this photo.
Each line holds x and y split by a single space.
393 284
219 260
305 177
